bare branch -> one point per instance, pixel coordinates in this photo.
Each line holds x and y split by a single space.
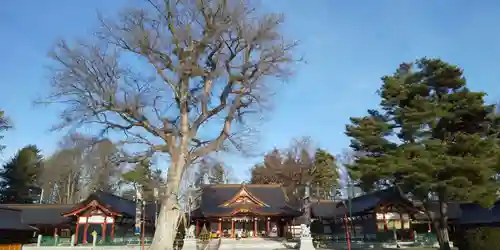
204 61
166 75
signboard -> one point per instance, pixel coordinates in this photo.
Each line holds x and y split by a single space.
392 216
244 218
388 216
96 219
82 220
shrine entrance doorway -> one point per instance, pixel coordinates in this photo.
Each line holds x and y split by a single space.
244 226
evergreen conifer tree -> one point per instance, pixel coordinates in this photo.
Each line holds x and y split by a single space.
431 136
18 178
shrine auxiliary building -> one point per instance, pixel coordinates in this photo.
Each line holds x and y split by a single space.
245 210
227 211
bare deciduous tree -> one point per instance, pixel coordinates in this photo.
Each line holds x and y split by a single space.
61 174
293 168
5 124
215 172
80 166
102 170
167 73
346 158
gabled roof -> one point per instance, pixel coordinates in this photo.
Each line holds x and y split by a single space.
370 201
41 214
243 192
116 204
11 219
272 196
363 204
325 208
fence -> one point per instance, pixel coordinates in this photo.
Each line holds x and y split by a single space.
54 241
48 241
323 241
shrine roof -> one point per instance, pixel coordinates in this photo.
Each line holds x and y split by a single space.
214 200
11 219
325 208
40 214
371 200
361 204
476 214
117 204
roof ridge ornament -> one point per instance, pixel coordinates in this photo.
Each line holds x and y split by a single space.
244 192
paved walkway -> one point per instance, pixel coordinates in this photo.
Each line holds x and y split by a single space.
264 244
212 245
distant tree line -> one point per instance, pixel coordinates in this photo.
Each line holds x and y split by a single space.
297 166
82 165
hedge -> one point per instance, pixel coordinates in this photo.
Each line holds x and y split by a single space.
479 238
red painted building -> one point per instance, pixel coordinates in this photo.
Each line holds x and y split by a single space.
106 214
251 210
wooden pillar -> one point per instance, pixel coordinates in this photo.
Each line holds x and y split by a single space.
285 229
86 227
104 227
76 231
385 221
197 227
219 228
113 228
354 221
232 229
255 227
267 226
401 219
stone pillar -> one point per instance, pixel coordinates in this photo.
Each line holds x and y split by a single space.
73 237
306 242
189 239
94 239
39 240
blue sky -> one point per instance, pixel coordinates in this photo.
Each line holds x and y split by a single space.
348 46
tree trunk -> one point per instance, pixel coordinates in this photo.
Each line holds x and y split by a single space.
166 228
441 226
170 213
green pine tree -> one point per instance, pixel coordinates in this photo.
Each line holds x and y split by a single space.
324 175
431 136
143 176
18 178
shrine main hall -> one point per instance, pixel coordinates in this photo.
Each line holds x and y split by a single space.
248 210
